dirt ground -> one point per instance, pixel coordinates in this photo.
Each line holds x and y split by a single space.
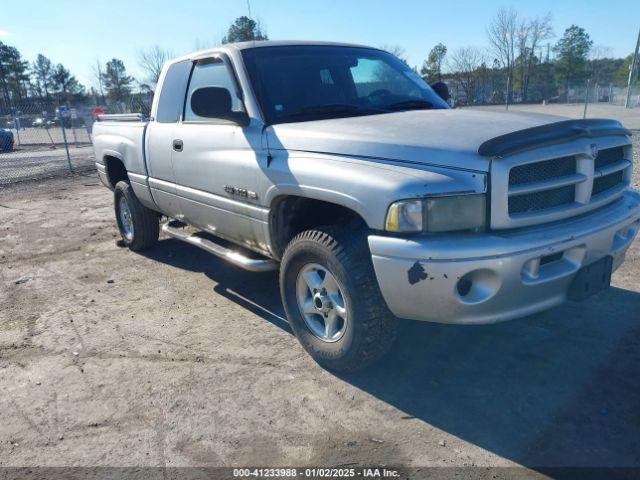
174 358
32 163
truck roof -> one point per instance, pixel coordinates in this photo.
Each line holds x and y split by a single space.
262 43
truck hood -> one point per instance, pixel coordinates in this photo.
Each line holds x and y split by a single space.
448 138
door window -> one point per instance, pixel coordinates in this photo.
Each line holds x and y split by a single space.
210 73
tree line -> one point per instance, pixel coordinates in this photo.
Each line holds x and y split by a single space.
54 84
51 84
521 63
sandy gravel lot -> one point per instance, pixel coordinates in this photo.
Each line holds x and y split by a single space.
31 163
174 358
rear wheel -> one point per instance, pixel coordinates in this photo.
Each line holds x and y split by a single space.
332 299
6 144
138 225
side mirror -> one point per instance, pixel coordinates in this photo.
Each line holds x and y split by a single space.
215 102
442 90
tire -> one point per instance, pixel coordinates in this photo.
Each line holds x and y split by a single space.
6 145
139 227
368 329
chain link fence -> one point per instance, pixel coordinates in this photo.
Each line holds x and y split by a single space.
38 142
41 139
607 94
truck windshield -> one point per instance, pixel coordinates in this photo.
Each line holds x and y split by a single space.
313 82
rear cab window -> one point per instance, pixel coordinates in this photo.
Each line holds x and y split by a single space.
172 92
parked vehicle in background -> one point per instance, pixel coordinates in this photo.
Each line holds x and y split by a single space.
40 123
339 166
6 140
55 122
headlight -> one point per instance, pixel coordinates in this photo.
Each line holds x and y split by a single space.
405 216
437 214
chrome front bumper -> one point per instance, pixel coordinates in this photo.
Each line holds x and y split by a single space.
491 277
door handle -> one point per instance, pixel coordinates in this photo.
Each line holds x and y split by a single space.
177 145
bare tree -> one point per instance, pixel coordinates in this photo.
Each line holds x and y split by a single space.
502 33
531 33
465 63
397 51
151 61
98 74
514 43
598 52
522 58
599 63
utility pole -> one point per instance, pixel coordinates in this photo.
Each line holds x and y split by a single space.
634 63
586 98
508 86
610 92
61 117
548 47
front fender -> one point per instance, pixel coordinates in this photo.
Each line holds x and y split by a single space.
365 186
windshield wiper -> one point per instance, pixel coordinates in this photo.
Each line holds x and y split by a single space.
321 109
332 108
409 105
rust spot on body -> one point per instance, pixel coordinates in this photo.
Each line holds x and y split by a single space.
416 273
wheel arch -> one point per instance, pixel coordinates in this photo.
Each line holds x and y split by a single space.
292 214
115 169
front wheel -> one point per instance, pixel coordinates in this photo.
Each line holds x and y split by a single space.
333 301
138 225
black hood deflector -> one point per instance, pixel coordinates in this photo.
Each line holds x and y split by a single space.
549 134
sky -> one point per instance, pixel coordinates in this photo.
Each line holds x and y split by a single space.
78 33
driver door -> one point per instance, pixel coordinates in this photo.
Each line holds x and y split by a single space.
217 159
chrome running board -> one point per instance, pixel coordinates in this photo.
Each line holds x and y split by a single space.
233 257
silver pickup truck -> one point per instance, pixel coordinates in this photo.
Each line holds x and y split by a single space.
342 168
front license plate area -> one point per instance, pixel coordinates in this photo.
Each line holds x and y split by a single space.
591 279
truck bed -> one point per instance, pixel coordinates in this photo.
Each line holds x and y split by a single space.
121 137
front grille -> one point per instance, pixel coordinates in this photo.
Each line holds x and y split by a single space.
607 182
533 173
540 171
537 201
609 157
606 159
550 184
525 192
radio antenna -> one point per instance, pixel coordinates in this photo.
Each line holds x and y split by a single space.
251 18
